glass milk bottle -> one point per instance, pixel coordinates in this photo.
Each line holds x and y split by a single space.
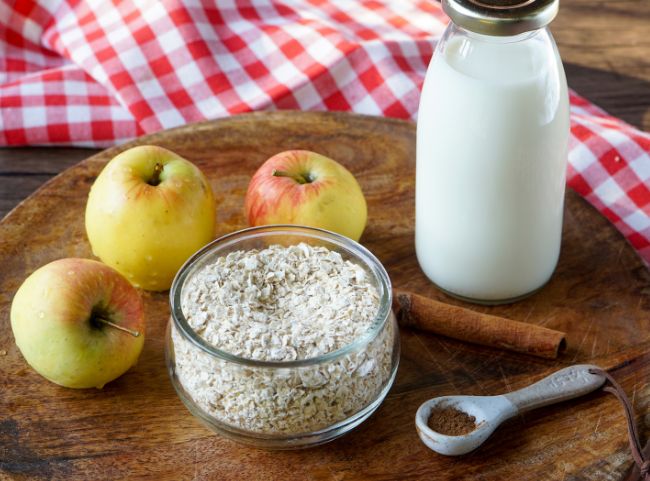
492 135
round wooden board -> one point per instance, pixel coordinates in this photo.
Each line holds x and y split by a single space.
136 427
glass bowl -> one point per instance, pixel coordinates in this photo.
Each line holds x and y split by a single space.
277 404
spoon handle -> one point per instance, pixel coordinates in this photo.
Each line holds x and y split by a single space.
566 383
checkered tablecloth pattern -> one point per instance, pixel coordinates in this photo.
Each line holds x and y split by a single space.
96 73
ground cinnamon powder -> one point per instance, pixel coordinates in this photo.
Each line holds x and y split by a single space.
451 421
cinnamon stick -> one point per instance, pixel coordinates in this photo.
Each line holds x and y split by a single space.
419 312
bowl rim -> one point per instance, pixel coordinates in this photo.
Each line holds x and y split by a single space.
353 248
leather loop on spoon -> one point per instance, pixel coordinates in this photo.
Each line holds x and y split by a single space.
642 463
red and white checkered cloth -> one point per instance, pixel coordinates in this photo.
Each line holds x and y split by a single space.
96 72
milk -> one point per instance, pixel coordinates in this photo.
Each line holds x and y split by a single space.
492 135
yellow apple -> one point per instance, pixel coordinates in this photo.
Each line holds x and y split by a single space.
147 213
78 323
305 188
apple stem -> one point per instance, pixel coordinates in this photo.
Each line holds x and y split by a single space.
300 178
133 332
155 178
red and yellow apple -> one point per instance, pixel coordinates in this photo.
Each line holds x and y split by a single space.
78 323
147 213
305 188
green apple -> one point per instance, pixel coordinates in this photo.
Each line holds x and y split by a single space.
147 213
78 323
305 188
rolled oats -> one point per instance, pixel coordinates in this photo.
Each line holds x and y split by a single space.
282 304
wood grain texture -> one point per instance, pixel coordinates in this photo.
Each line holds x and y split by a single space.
23 170
136 427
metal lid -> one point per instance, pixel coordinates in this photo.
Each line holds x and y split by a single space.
501 17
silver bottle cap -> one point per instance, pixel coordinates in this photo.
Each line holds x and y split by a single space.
501 17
